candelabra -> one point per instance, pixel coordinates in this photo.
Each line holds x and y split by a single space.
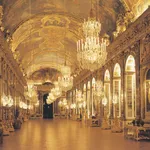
116 125
105 124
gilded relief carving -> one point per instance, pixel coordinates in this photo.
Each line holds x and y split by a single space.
145 53
123 22
1 18
55 20
128 38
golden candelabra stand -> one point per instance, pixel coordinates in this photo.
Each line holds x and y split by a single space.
105 124
116 125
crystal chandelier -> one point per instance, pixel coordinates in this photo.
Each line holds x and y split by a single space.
91 27
31 91
30 107
23 105
98 89
73 106
4 100
37 103
7 100
65 70
104 101
10 99
51 98
63 103
91 52
65 82
57 92
49 101
60 103
79 96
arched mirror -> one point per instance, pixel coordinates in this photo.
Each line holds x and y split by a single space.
107 89
130 87
116 90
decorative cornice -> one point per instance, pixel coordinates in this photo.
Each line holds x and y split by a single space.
8 56
127 42
134 33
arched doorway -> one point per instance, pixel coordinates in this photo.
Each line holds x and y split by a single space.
117 90
130 87
47 108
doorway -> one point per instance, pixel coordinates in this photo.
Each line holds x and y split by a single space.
47 108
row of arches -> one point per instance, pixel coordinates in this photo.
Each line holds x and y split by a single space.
122 83
119 84
130 88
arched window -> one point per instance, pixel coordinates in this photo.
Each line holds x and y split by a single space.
130 87
107 89
93 82
148 91
117 71
84 87
117 90
107 76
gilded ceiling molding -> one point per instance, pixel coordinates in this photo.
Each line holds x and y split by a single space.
29 26
17 3
42 15
50 62
30 70
123 22
60 55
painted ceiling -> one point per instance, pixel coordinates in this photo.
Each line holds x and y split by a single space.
44 32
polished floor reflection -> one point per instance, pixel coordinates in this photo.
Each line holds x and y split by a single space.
67 135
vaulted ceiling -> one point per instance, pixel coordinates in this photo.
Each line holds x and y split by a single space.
44 32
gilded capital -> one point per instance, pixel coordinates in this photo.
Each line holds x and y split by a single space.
1 14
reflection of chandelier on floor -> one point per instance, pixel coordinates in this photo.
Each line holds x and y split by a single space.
91 52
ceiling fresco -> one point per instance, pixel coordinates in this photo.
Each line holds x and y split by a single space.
44 32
